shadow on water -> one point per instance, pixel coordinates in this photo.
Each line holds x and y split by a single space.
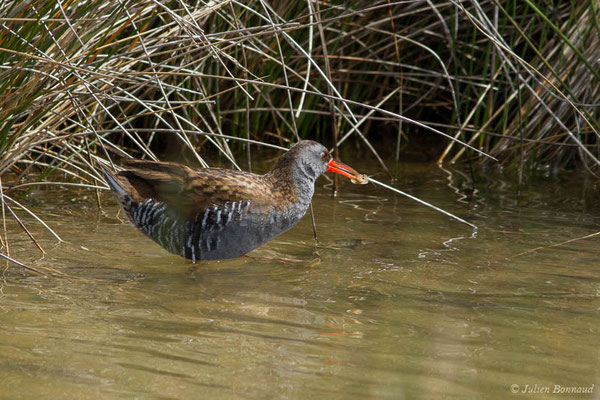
396 301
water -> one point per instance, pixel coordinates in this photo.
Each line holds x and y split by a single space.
396 301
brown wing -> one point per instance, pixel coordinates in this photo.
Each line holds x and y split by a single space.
188 191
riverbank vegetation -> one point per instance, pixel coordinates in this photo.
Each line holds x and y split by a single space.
91 81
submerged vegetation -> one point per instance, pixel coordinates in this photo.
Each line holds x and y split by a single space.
86 82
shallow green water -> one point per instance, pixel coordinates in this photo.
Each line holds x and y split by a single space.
396 301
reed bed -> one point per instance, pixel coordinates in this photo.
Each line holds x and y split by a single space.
87 82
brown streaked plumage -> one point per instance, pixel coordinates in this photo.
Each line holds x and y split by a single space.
214 213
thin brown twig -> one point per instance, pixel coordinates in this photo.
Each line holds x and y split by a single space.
554 245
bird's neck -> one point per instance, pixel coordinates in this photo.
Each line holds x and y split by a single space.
294 182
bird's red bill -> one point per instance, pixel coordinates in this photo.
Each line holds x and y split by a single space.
342 169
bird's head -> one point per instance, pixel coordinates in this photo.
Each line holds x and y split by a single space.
310 159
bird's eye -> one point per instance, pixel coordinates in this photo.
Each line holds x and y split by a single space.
324 156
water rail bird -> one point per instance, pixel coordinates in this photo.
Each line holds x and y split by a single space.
214 213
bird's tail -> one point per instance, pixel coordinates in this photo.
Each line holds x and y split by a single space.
113 182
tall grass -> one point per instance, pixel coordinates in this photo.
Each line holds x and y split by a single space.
86 82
